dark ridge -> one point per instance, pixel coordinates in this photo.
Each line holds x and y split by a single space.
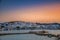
32 22
47 23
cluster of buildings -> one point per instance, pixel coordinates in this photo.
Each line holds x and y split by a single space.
19 25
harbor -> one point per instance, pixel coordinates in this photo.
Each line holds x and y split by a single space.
47 33
54 33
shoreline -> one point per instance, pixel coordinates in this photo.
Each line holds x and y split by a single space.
50 35
12 32
26 31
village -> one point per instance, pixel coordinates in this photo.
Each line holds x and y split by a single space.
19 25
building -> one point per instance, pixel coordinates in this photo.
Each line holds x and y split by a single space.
27 25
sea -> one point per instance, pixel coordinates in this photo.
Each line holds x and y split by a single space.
26 37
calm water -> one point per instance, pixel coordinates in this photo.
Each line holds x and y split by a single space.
26 37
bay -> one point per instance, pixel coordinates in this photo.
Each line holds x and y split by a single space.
25 37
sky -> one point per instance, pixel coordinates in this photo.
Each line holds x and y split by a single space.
42 11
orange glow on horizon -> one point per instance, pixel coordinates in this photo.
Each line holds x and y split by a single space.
46 13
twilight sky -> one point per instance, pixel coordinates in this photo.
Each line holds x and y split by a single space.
45 11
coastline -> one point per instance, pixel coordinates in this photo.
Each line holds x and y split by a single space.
52 33
55 32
